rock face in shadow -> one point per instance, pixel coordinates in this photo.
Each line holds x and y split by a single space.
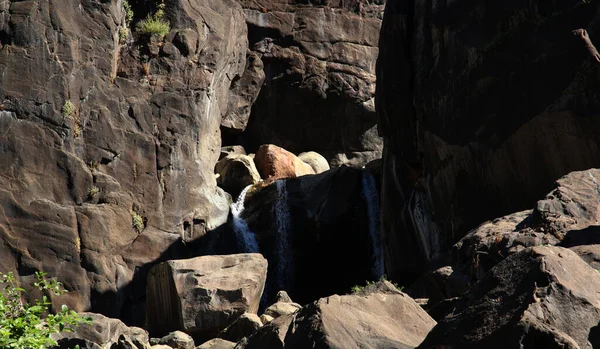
482 107
319 85
202 296
108 149
379 318
542 297
299 224
567 216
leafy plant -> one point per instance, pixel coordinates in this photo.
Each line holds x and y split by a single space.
128 11
137 221
68 109
24 325
155 24
123 32
359 288
93 191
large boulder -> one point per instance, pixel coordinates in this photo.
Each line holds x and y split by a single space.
315 160
470 134
103 332
235 173
319 61
176 340
202 296
108 150
568 216
217 343
274 162
542 297
379 318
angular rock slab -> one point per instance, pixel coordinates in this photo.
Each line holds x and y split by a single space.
203 295
542 297
104 332
380 318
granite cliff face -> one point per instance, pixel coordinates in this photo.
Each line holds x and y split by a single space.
317 60
108 147
482 107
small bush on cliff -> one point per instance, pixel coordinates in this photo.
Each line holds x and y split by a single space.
155 24
68 109
137 221
24 325
359 288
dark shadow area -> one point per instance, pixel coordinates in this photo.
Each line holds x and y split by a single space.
586 236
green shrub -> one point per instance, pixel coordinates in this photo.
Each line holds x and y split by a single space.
93 191
128 11
154 26
137 221
359 288
68 109
24 325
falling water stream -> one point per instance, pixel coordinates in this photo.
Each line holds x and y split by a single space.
282 240
372 200
246 239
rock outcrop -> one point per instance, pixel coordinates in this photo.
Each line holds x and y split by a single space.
319 86
568 216
380 318
482 107
108 149
103 332
203 295
176 340
243 326
542 297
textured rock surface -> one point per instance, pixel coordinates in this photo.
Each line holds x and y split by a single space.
319 62
217 343
204 295
274 162
104 332
543 297
568 216
300 226
282 308
315 160
379 318
177 340
141 138
479 103
242 327
235 173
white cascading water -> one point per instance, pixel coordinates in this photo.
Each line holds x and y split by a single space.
372 199
282 240
246 239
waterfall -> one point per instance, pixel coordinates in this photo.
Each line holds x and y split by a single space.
246 239
372 200
283 248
